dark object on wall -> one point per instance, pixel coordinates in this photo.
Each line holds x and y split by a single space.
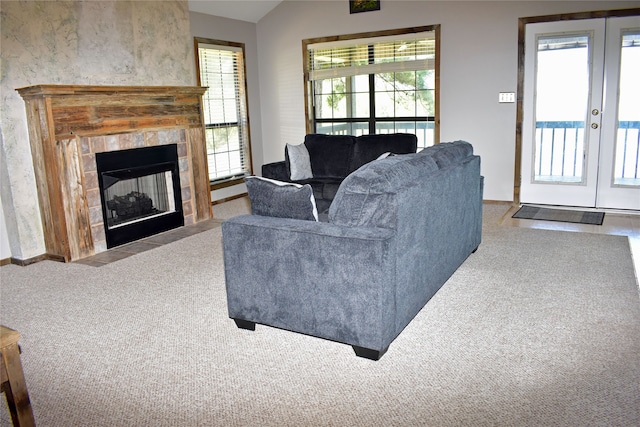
357 6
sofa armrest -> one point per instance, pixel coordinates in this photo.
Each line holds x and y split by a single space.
276 170
315 278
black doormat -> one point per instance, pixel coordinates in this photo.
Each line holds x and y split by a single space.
561 215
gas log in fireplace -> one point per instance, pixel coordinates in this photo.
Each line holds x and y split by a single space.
114 164
140 192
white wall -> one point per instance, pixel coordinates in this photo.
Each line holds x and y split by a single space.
478 60
214 27
5 249
5 246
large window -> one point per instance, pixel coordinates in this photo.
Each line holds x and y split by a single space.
374 83
221 68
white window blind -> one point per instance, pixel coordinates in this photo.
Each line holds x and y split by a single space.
346 58
225 112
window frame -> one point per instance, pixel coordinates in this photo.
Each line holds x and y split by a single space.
229 181
308 84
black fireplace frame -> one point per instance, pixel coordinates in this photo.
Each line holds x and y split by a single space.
135 163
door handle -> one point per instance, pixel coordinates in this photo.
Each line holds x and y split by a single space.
595 112
594 126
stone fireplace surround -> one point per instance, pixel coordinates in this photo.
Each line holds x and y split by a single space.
68 125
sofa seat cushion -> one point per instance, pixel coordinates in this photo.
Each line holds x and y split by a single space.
281 199
368 148
324 191
324 188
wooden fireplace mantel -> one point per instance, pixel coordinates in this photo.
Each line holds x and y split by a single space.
69 124
104 110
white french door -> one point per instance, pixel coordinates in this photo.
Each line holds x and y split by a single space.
619 174
581 113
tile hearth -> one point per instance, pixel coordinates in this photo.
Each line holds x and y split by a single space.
142 245
221 212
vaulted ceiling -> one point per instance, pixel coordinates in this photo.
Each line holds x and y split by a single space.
243 10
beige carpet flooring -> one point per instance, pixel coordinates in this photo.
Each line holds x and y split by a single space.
537 328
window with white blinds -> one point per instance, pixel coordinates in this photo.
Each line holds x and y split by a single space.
374 84
409 52
221 69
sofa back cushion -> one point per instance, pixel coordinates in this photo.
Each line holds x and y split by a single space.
368 148
330 155
368 196
450 153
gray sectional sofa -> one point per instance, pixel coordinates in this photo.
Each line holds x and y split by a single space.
398 228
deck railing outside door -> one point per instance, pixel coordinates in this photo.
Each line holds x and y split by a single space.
559 152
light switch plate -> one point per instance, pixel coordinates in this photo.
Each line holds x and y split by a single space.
506 97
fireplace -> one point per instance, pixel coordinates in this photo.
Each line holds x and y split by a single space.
139 192
114 164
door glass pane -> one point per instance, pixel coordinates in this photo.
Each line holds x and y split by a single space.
626 171
562 96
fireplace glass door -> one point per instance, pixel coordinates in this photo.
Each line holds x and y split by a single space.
140 191
137 199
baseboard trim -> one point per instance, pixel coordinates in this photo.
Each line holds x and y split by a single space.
228 199
498 202
241 195
33 260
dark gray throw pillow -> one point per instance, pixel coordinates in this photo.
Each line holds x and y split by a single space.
281 199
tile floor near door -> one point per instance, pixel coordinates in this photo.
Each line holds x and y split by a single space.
619 224
615 223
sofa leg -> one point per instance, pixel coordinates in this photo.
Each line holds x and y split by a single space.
245 324
367 353
474 251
